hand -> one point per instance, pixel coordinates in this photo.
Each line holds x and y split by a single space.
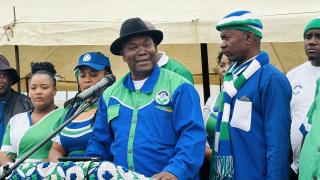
164 176
208 153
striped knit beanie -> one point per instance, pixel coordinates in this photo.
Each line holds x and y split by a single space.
241 20
313 24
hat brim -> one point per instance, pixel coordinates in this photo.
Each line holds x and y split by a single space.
115 47
96 67
13 74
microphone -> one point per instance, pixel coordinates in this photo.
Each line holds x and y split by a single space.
98 88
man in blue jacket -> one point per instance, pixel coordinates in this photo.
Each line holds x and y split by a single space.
252 132
150 120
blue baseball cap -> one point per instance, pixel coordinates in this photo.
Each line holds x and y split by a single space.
95 60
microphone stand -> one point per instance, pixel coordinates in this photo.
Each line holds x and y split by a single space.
8 171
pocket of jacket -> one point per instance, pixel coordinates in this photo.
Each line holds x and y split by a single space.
241 117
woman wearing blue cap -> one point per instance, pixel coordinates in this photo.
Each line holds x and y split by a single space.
72 140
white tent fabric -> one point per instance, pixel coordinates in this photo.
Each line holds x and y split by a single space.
97 22
59 30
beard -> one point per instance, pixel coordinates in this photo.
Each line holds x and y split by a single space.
5 90
315 60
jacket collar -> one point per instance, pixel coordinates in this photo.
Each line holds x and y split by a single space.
148 86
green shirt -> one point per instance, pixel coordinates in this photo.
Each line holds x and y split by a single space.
173 65
21 135
309 166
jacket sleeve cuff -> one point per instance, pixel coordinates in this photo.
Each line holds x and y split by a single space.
178 171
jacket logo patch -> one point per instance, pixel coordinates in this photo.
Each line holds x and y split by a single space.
296 89
162 97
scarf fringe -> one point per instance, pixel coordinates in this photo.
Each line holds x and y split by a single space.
222 167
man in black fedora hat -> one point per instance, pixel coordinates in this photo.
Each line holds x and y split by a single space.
150 120
11 102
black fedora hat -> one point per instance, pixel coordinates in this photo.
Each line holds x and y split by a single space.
5 66
134 27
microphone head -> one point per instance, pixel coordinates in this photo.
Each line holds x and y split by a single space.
97 88
106 81
111 77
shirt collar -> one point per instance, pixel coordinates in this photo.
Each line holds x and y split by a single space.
163 59
238 70
148 86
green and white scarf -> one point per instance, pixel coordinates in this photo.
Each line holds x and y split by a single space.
222 157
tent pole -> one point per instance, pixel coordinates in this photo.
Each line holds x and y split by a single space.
205 71
27 86
16 52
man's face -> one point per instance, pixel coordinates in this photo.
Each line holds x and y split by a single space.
233 44
312 46
140 54
5 82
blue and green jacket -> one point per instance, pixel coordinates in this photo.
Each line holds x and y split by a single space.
157 128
